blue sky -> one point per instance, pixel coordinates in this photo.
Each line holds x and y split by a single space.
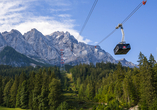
48 16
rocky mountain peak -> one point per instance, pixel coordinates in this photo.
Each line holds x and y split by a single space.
13 33
33 35
123 59
5 32
47 48
34 30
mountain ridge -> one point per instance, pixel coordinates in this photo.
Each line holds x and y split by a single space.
46 48
9 56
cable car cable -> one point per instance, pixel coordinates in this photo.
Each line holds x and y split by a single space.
126 19
129 16
87 19
89 14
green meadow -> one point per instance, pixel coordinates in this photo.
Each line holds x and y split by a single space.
5 108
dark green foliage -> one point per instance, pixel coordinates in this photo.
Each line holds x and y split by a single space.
146 84
1 91
114 86
37 89
43 104
55 93
141 57
18 96
13 91
24 95
6 92
151 60
31 88
63 106
153 105
94 107
22 78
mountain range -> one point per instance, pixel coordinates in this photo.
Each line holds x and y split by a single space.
45 49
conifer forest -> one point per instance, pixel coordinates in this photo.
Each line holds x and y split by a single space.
104 86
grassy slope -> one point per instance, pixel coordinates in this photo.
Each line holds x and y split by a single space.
4 108
71 97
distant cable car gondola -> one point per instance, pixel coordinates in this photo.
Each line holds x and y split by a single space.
122 47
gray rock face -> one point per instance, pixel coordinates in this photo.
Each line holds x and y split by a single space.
47 48
124 62
3 43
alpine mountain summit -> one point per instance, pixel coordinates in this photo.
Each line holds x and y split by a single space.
46 48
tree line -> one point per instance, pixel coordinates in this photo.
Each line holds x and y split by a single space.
117 87
112 85
35 90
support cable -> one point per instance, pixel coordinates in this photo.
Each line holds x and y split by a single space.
126 19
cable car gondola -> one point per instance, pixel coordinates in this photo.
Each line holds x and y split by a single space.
122 47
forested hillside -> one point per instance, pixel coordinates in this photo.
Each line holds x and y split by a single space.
118 88
105 86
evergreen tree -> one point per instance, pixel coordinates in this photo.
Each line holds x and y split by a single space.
43 103
49 71
18 96
24 95
78 83
37 89
81 91
151 60
31 88
63 106
146 85
55 93
52 76
13 92
90 91
1 92
65 83
22 78
141 57
6 92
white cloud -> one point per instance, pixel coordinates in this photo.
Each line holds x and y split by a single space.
17 15
64 15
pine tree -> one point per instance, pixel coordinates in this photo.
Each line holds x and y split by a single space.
151 60
13 92
90 91
119 73
24 95
6 92
52 76
81 91
18 96
146 85
22 78
49 71
129 89
65 83
78 83
43 104
55 93
141 57
31 88
63 106
1 92
37 89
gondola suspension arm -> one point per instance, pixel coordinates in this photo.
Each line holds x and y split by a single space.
123 35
